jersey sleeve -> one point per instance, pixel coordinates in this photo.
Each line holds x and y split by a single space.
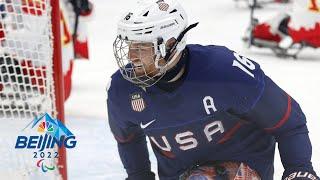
131 141
243 82
281 116
255 98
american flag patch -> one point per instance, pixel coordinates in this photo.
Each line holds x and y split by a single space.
137 102
162 5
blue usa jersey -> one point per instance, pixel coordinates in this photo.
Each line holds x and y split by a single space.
226 109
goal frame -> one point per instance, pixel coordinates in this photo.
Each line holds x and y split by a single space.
58 79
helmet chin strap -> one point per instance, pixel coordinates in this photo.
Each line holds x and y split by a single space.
179 42
168 55
163 69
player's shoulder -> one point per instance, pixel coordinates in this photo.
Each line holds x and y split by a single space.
116 79
223 64
209 50
237 78
118 87
210 57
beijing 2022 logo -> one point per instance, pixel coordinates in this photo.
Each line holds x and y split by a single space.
49 134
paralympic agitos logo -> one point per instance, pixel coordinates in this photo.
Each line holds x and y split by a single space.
47 133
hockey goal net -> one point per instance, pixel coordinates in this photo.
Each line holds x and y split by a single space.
30 84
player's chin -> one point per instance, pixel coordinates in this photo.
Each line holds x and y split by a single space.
139 72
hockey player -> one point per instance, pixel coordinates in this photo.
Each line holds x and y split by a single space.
197 104
301 25
75 15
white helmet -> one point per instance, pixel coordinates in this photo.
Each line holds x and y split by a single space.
153 21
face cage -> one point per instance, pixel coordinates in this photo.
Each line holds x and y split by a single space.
137 72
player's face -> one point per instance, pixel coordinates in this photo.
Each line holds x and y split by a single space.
142 57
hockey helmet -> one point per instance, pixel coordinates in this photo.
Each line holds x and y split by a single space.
154 22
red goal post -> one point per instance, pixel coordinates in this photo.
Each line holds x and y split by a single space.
58 79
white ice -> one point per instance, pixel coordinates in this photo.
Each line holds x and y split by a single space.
221 23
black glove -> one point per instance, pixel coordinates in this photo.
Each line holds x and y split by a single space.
81 6
299 174
142 176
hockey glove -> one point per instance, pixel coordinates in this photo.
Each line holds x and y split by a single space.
299 174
